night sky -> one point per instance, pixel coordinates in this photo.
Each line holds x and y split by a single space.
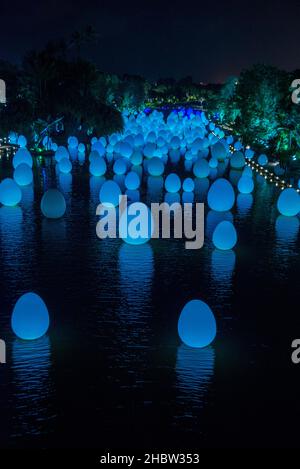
208 40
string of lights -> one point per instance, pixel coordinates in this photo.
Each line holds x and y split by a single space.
269 175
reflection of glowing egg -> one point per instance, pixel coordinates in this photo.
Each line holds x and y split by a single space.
30 317
53 204
10 193
23 175
197 324
221 195
22 156
109 193
288 202
172 183
224 236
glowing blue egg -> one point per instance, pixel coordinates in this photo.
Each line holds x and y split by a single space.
22 156
136 158
218 151
288 203
23 175
249 153
81 147
263 160
213 163
245 185
120 166
97 166
172 183
103 141
238 145
132 181
54 147
221 195
197 325
247 171
188 185
175 142
224 236
237 160
155 166
53 204
73 142
109 193
61 153
93 140
136 224
22 141
125 149
149 149
13 137
201 168
65 165
97 146
10 193
30 317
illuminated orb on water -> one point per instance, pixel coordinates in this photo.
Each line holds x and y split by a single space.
201 168
73 142
61 153
263 160
221 195
109 193
65 165
30 317
22 141
97 166
136 158
197 325
245 185
53 204
136 224
172 183
237 160
10 193
99 148
156 166
188 185
23 175
22 156
288 203
224 236
132 181
125 149
120 166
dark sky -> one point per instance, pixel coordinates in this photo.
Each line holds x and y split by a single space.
208 40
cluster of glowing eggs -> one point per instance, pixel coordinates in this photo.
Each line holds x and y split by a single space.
98 166
245 185
65 165
10 193
53 204
30 317
172 183
224 236
132 181
221 195
61 153
23 175
136 224
109 193
22 156
196 324
288 202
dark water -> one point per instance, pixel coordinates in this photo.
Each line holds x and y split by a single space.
112 372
